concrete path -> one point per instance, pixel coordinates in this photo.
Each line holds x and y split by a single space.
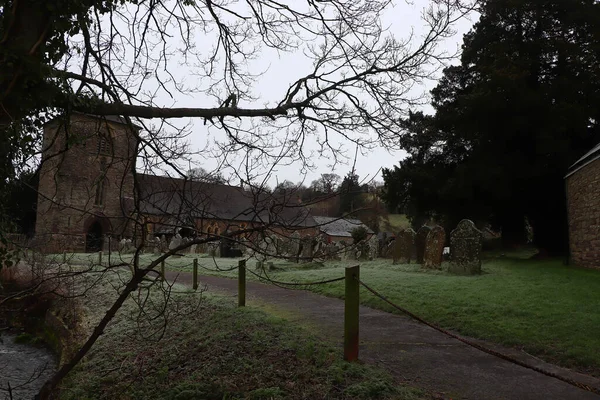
414 353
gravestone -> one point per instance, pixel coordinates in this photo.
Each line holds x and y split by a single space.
373 247
362 251
307 249
406 239
465 248
175 242
163 244
334 252
343 249
420 240
434 246
295 245
271 248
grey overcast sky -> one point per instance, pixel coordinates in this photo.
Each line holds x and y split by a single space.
281 70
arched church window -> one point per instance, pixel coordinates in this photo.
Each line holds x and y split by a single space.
101 184
104 144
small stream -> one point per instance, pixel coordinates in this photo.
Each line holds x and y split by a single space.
25 366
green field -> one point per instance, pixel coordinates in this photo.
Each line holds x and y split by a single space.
394 223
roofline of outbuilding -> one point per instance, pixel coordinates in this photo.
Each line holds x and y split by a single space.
588 158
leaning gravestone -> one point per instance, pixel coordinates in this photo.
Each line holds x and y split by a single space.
420 242
465 248
434 247
406 239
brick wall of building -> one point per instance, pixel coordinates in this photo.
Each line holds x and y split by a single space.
74 161
583 206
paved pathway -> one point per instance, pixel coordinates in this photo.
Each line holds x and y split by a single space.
413 352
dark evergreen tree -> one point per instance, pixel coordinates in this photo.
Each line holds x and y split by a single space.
349 194
520 108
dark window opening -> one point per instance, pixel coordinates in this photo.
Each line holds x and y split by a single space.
103 146
94 238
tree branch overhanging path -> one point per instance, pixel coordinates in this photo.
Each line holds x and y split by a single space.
105 58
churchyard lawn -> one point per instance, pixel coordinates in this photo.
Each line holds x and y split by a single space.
222 352
540 306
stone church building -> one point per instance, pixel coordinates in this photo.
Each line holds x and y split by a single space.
583 209
90 197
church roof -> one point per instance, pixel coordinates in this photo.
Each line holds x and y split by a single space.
587 158
185 199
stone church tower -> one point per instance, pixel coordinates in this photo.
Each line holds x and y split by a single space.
85 193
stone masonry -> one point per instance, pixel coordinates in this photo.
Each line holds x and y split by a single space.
70 202
583 207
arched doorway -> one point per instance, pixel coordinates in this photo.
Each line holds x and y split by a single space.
94 237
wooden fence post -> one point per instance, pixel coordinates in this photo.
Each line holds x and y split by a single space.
100 257
351 317
162 270
195 284
64 256
242 283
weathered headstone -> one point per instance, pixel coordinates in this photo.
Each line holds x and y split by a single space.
334 251
175 242
163 244
420 240
406 245
295 245
465 248
307 249
434 246
373 247
271 249
362 250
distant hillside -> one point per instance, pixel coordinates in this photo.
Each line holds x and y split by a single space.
393 223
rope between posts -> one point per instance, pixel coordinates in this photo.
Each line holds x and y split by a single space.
495 353
218 269
285 284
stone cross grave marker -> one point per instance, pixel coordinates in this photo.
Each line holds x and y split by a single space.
420 242
434 247
465 248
